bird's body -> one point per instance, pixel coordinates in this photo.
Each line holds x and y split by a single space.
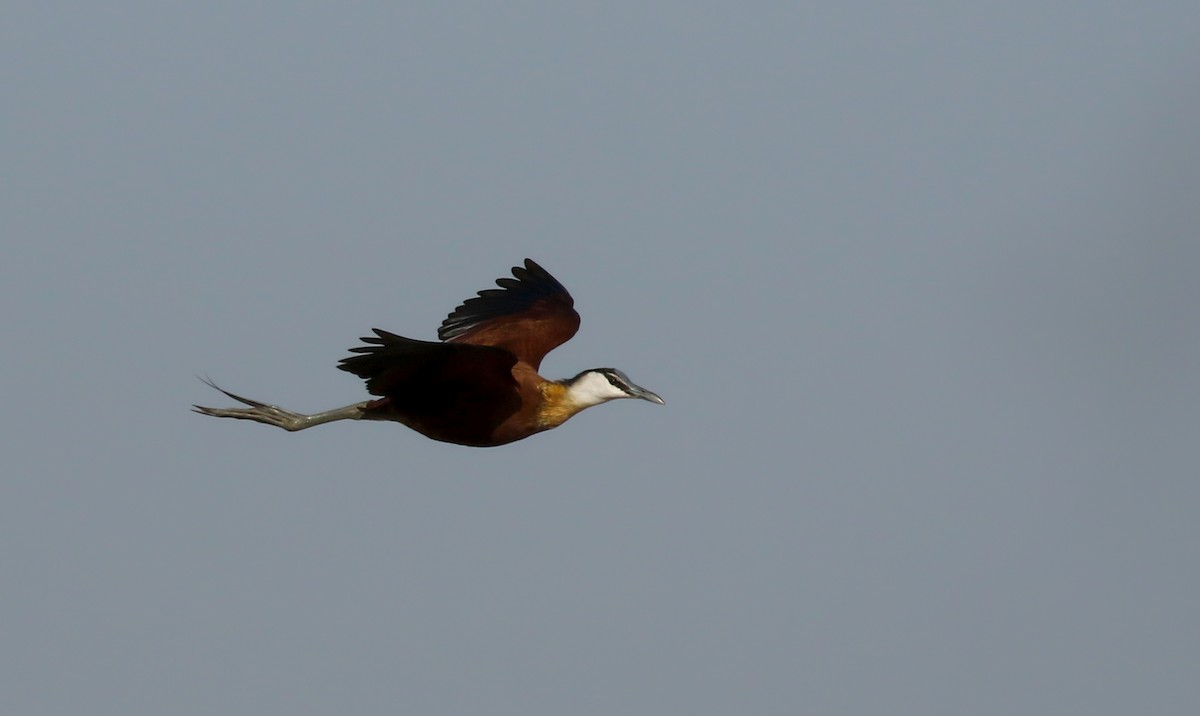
479 385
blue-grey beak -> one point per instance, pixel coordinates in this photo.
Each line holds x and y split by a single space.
637 391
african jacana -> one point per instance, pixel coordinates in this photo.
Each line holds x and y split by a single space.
479 386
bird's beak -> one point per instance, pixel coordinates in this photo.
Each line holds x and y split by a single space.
640 392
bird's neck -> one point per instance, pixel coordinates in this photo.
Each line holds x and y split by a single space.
558 403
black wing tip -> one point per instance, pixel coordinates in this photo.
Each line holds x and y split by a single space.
533 271
375 344
529 273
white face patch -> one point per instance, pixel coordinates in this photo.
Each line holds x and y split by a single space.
593 388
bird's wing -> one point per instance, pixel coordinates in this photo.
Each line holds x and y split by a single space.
395 365
455 392
530 315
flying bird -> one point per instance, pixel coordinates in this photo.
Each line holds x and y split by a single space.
479 384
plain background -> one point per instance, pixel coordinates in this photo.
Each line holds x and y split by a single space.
917 281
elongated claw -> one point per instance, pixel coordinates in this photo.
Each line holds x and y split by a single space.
275 415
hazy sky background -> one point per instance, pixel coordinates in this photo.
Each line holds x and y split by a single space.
918 283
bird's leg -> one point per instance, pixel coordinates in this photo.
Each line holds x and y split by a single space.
274 415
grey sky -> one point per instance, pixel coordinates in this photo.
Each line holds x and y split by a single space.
918 283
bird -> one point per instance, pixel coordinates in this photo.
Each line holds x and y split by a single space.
478 384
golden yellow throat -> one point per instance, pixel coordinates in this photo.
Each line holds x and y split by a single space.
555 405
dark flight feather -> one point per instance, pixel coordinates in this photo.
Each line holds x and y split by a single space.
530 315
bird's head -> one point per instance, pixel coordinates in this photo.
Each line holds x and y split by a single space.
599 385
